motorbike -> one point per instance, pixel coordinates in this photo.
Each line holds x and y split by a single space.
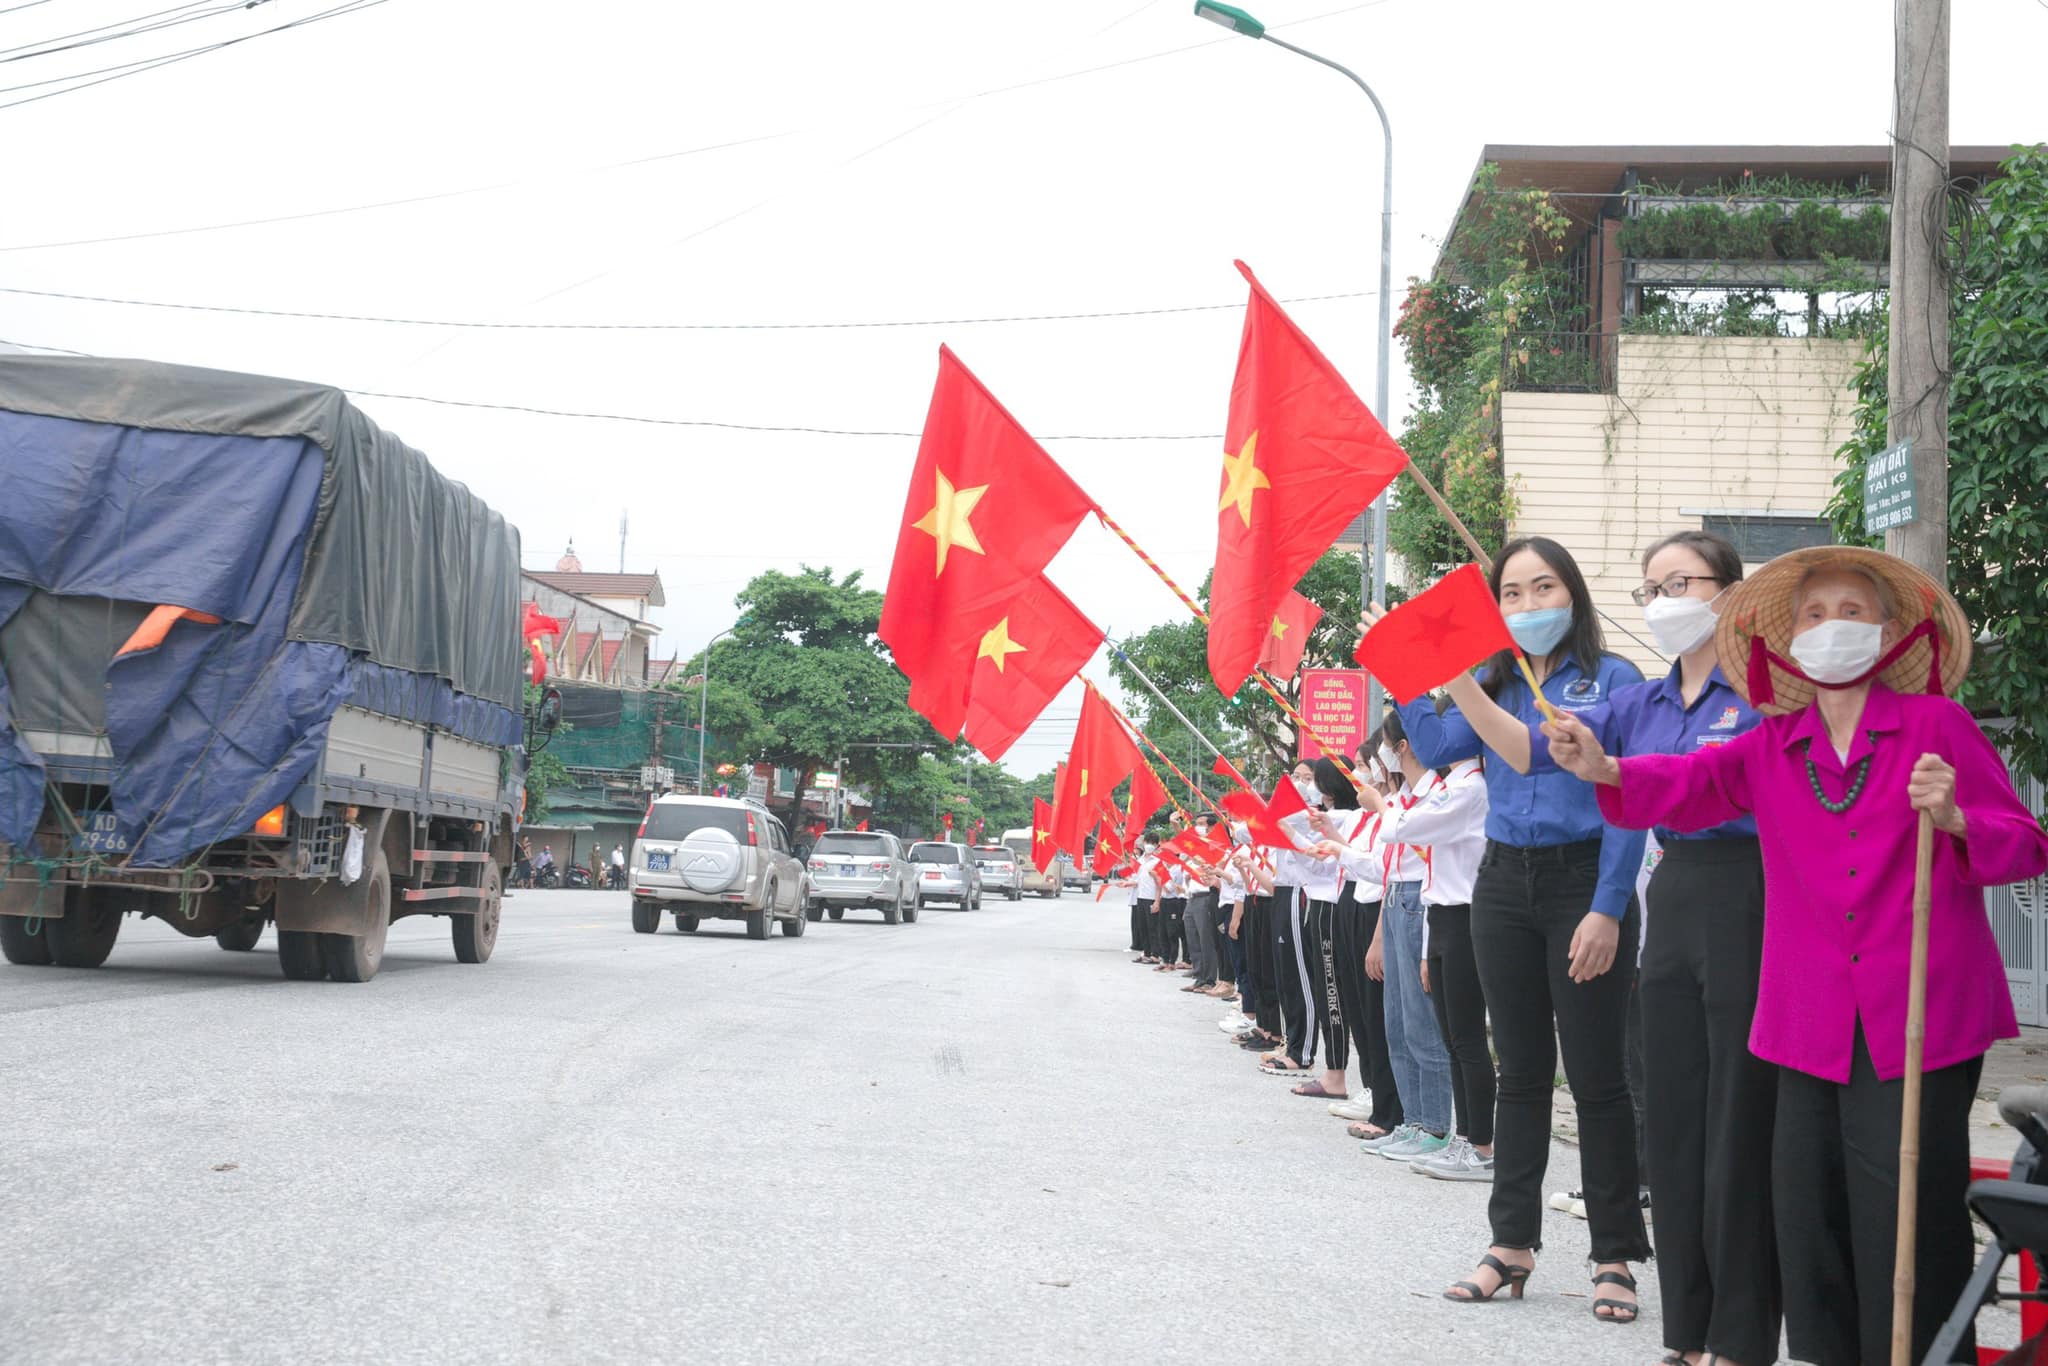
615 879
550 876
578 876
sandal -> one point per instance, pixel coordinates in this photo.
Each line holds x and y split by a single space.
1281 1067
1364 1130
1513 1278
1620 1311
1315 1088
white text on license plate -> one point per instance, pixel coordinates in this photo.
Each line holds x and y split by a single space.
657 863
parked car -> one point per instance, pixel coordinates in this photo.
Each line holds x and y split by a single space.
1074 874
860 868
946 873
716 858
999 871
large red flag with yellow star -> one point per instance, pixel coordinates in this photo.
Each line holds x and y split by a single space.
1103 755
988 509
1042 848
1302 457
1148 794
1021 663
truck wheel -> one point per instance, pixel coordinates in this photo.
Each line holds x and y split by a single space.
352 958
241 935
476 935
646 917
85 935
794 927
837 913
20 947
686 923
757 924
892 914
299 954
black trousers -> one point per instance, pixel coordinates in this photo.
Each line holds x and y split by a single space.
1141 942
1290 954
1460 1005
1710 1101
1261 961
1231 958
1328 1003
1364 1004
1835 1188
1525 906
1171 938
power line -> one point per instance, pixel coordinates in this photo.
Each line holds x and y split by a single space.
664 327
127 69
140 23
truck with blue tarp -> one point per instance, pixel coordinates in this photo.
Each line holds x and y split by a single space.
260 664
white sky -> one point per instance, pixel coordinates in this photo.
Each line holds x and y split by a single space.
894 172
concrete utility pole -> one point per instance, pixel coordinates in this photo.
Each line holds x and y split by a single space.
1919 380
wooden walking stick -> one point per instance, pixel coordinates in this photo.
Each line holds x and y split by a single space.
1909 1115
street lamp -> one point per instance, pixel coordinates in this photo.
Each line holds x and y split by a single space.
704 697
1237 21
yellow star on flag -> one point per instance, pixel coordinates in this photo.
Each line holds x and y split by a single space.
1084 782
1245 477
1279 627
996 644
948 523
1042 835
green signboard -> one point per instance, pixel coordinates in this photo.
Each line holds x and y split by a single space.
1889 498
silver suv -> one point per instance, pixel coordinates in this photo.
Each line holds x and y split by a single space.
714 858
862 868
1000 871
945 872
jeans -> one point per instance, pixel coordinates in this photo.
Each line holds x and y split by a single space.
1422 1065
1526 906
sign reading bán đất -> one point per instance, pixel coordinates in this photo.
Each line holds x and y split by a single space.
1333 703
1889 495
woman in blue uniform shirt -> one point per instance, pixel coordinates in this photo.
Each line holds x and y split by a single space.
1553 914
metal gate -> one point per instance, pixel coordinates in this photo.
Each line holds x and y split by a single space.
2016 918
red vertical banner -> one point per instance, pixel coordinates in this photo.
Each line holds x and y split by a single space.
1334 702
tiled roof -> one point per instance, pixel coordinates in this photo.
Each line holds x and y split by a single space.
646 586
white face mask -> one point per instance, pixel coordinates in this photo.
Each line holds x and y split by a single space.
1389 760
1680 625
1838 651
1308 792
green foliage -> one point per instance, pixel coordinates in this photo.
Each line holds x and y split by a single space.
1758 220
1998 452
1501 281
910 798
545 769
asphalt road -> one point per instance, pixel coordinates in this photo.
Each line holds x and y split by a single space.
985 1137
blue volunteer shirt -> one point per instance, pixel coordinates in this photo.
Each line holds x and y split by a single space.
1652 718
1539 809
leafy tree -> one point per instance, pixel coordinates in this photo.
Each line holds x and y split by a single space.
803 683
1998 451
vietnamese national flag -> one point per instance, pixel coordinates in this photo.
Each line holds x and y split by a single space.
1436 635
1042 849
947 821
987 510
1287 638
1103 756
1022 660
1262 818
1223 768
862 827
1148 794
1302 457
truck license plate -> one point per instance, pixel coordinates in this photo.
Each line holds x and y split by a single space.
98 834
657 863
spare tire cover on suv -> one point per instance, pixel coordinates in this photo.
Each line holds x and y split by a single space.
710 860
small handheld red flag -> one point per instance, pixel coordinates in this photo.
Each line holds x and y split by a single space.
1287 640
1262 819
1223 768
1435 636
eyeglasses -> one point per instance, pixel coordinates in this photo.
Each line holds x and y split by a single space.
1673 587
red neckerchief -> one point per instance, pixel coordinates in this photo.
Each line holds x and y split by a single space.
1762 692
1408 802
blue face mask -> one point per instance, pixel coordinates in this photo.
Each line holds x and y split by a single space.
1539 632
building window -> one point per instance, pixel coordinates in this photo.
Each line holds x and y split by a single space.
1761 538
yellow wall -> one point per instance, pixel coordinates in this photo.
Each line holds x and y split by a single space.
1729 425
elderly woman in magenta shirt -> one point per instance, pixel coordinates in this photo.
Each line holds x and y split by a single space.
1848 651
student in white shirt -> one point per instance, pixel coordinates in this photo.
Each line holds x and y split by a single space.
1375 1110
1146 889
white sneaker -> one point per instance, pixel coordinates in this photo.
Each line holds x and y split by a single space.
1234 1023
1569 1202
1359 1107
1459 1162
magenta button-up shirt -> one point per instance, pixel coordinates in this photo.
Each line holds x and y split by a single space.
1838 889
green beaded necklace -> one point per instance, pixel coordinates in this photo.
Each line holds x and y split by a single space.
1862 775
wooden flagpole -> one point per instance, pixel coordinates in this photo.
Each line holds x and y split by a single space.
1909 1115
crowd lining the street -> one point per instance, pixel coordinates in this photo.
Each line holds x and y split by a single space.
1730 1010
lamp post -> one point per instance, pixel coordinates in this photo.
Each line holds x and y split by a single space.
1238 21
704 698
